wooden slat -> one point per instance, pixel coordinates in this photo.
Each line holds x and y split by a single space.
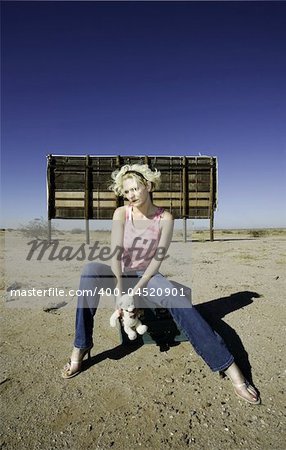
103 195
104 204
168 203
69 203
162 195
194 195
69 195
69 213
198 202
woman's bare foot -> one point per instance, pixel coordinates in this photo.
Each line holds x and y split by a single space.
242 388
247 392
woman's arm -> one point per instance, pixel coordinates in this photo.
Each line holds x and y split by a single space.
117 234
167 226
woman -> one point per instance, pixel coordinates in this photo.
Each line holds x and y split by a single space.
140 237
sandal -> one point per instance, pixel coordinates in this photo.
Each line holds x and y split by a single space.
250 389
73 367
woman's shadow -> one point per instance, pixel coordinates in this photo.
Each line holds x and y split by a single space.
213 312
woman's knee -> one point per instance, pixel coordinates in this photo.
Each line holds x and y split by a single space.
93 268
168 294
156 281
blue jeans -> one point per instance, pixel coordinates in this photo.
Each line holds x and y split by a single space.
206 342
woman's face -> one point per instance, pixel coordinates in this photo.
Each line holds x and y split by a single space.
134 191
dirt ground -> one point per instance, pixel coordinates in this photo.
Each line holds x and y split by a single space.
142 397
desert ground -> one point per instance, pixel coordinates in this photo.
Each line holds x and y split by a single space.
147 396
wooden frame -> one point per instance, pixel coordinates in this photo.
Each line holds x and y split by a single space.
78 186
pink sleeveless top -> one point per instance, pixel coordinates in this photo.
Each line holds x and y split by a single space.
140 245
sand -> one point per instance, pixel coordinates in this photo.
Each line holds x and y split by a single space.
143 397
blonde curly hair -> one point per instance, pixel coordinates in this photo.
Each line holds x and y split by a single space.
141 172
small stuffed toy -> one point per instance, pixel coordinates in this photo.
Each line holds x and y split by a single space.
131 323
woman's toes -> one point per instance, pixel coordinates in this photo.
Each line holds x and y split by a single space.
247 392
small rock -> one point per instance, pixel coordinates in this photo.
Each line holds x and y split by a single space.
53 306
169 380
8 298
14 286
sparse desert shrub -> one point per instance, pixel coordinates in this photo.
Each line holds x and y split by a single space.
257 233
76 231
276 231
36 228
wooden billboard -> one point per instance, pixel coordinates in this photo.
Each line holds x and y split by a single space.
78 186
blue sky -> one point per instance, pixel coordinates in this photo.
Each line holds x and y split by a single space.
154 78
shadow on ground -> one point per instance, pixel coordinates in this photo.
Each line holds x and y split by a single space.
213 312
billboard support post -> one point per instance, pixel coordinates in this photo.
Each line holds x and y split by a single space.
211 205
87 195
